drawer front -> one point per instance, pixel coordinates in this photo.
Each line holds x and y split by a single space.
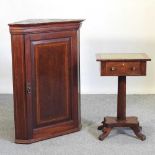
118 68
113 68
133 68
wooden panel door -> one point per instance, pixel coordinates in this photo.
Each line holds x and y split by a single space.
51 76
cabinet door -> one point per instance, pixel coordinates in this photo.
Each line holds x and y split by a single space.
52 80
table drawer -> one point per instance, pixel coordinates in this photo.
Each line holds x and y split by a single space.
133 68
119 68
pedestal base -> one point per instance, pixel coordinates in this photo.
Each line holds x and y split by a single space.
110 122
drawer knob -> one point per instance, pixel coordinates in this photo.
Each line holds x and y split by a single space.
133 68
113 68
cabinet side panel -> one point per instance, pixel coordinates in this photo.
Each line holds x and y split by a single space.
75 78
19 86
79 87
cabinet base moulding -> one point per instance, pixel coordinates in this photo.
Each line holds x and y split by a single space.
30 141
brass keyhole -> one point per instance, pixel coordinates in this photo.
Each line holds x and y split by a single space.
28 89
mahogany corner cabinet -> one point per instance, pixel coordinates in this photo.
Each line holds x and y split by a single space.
45 58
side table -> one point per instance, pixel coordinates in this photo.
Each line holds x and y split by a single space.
122 65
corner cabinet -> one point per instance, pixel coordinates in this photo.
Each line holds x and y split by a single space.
45 57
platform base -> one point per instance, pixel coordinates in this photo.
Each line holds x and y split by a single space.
110 122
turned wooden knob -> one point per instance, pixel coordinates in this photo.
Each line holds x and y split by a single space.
133 68
113 68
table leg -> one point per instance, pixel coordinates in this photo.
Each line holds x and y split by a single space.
137 131
106 132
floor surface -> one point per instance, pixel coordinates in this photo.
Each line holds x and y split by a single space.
85 142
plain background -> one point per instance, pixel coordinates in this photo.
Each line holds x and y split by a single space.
110 26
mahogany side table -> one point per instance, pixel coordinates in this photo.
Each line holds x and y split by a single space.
122 65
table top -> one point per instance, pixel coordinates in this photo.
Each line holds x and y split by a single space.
32 22
122 57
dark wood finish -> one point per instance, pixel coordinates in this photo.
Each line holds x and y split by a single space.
45 56
111 122
43 25
121 99
122 67
106 132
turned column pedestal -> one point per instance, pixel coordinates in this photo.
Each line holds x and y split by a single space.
121 120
